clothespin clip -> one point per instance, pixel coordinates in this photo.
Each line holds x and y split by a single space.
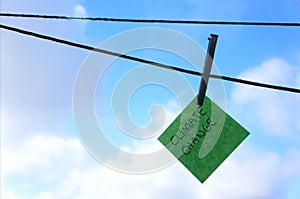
207 67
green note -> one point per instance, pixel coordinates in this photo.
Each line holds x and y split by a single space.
202 137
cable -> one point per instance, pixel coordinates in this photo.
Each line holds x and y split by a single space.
161 21
153 63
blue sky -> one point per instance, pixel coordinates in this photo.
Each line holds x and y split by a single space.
42 156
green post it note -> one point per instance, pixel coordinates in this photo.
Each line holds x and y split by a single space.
202 137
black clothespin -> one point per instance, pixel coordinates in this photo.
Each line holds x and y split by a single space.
207 67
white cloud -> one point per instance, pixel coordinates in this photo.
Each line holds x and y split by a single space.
64 170
276 112
42 152
251 173
80 11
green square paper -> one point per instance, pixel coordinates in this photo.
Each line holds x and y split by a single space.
202 137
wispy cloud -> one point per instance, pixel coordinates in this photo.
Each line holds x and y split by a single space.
276 112
80 11
68 171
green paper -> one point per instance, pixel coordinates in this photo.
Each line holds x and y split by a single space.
202 137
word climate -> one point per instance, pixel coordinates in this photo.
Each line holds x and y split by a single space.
193 130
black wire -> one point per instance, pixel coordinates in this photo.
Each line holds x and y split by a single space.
165 21
82 46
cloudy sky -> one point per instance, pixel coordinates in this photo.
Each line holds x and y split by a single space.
42 156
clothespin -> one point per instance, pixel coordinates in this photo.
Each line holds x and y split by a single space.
207 67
